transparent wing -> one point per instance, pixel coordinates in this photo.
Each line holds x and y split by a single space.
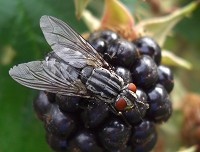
49 76
68 44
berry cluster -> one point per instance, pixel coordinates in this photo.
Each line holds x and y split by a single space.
82 125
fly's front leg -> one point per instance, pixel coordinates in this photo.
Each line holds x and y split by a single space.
118 113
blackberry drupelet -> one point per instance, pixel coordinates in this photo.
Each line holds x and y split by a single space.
107 35
144 136
58 123
58 144
95 114
84 141
144 72
165 77
114 134
148 46
160 106
42 105
121 53
78 124
100 45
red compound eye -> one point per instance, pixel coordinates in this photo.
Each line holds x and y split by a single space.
132 87
120 104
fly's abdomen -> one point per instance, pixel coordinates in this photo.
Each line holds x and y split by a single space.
104 84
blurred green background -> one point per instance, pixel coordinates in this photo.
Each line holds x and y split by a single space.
21 40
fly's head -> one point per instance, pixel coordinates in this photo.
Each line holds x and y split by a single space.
127 99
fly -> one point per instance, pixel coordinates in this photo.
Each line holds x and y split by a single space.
74 68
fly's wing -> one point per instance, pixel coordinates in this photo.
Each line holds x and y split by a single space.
50 76
68 45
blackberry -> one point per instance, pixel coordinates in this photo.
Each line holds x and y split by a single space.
82 125
148 46
144 72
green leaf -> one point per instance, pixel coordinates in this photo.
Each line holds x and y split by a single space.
168 58
159 28
80 6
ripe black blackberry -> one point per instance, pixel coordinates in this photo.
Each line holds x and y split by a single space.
83 125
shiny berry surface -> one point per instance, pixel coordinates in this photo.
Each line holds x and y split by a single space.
165 77
107 35
95 114
58 123
56 143
114 134
160 107
84 141
41 105
121 53
144 137
144 72
99 44
68 103
148 46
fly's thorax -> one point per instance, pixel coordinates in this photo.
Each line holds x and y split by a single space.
102 83
127 98
86 72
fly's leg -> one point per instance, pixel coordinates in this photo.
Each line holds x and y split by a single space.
118 113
